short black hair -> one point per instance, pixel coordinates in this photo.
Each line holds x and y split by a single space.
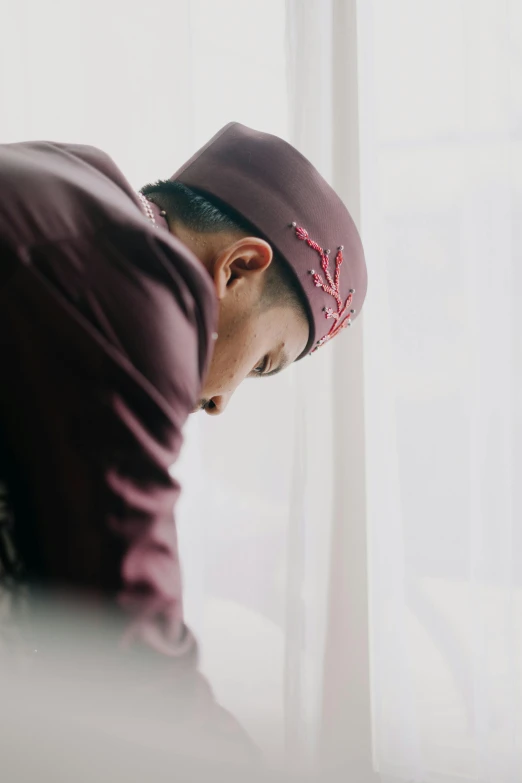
204 214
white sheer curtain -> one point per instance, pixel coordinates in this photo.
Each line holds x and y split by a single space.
435 176
322 77
441 174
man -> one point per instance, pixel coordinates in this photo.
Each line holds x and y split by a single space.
120 313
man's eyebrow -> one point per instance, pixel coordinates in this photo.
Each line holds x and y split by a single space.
284 362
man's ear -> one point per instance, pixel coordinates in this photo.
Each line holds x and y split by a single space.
239 262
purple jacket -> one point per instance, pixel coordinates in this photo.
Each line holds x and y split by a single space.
105 336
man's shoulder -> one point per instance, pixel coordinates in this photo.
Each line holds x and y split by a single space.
53 159
51 190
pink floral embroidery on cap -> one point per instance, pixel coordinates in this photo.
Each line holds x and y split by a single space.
342 315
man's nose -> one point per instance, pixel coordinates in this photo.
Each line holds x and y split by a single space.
217 404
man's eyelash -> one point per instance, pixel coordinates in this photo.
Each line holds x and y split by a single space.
261 368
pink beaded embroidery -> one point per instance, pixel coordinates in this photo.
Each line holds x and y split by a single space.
342 315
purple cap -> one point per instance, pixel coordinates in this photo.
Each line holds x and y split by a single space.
270 184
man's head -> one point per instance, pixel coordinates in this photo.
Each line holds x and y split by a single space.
262 219
263 324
